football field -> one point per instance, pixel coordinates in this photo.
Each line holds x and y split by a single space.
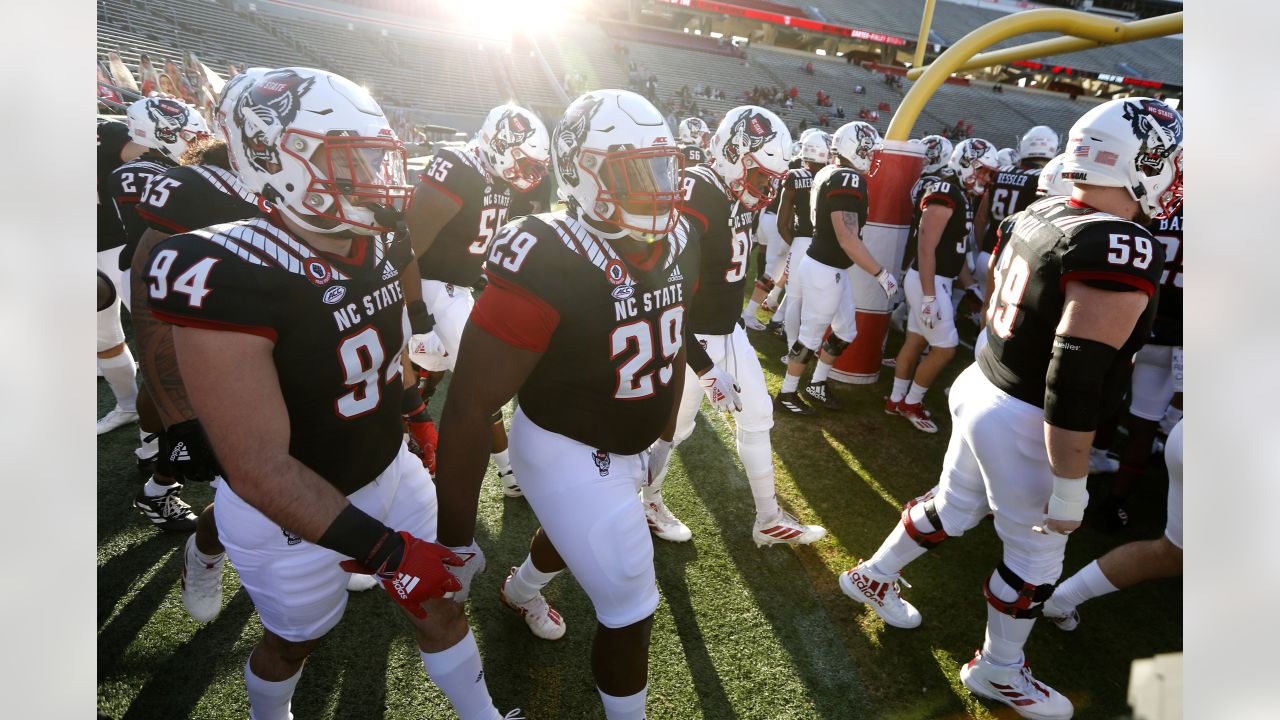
741 632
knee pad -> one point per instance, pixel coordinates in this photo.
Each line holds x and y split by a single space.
765 284
496 417
800 353
834 345
922 538
1030 601
755 452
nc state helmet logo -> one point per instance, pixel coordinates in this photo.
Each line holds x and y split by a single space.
973 151
513 129
169 118
570 132
866 138
933 151
1158 128
749 133
264 110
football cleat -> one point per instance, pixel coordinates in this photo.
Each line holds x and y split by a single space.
822 396
510 487
1101 462
1014 686
663 523
201 583
118 417
168 511
889 362
1066 621
785 528
891 406
881 593
542 619
149 448
791 402
359 582
752 323
776 327
917 416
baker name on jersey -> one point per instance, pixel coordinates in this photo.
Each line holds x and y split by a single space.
1173 223
647 302
384 297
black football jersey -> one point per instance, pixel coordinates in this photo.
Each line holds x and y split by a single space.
1053 242
605 378
459 249
1168 327
126 185
335 323
724 240
1012 192
949 255
835 189
800 181
537 200
113 135
693 155
188 197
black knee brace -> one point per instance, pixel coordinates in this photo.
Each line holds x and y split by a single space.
800 353
1030 601
834 345
922 538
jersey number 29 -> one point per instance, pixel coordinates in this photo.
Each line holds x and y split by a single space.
636 375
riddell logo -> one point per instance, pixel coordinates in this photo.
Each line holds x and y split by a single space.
404 585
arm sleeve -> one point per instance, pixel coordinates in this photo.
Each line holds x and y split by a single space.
195 283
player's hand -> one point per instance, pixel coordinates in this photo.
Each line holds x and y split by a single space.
659 455
428 352
1063 527
721 389
1066 506
472 563
887 281
415 574
930 311
423 440
188 450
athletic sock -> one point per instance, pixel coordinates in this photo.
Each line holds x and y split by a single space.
155 489
780 313
900 387
821 371
1006 635
269 700
1088 583
630 707
527 581
898 550
916 394
502 460
121 375
752 307
790 383
772 298
459 674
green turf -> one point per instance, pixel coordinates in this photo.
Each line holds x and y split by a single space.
741 632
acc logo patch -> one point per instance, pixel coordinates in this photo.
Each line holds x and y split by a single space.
334 295
318 271
622 292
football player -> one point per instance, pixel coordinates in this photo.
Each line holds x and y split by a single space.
1013 190
795 222
1007 157
585 317
777 243
942 224
461 200
747 160
823 289
694 136
288 330
115 361
1076 280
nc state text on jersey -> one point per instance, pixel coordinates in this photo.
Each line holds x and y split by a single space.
387 296
646 302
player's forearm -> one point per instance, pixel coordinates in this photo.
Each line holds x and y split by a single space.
461 461
1068 450
677 385
928 262
786 213
289 493
858 252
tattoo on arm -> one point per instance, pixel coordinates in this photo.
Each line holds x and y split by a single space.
156 357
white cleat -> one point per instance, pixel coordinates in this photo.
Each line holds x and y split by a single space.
1065 620
1014 686
201 583
785 528
510 487
359 582
881 593
753 323
542 619
664 524
1101 463
118 417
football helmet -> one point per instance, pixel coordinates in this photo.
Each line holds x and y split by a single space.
974 163
230 94
857 144
614 160
1051 181
1134 143
749 152
693 131
165 125
937 152
317 146
794 151
815 147
514 145
1039 142
1007 157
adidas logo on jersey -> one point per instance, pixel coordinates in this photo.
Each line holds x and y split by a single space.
388 271
676 276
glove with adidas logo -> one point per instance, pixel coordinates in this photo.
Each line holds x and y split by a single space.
471 565
411 570
720 389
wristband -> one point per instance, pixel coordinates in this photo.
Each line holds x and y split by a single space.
1070 496
412 405
363 538
420 321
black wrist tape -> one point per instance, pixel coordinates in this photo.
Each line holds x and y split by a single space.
1073 392
420 321
412 407
363 538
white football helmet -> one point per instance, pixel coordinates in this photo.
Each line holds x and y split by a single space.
1007 157
1134 143
1039 142
749 151
815 147
1051 182
937 153
165 125
794 151
974 162
614 158
857 144
319 148
514 145
230 94
693 131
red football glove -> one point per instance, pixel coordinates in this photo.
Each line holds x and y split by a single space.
423 439
420 574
